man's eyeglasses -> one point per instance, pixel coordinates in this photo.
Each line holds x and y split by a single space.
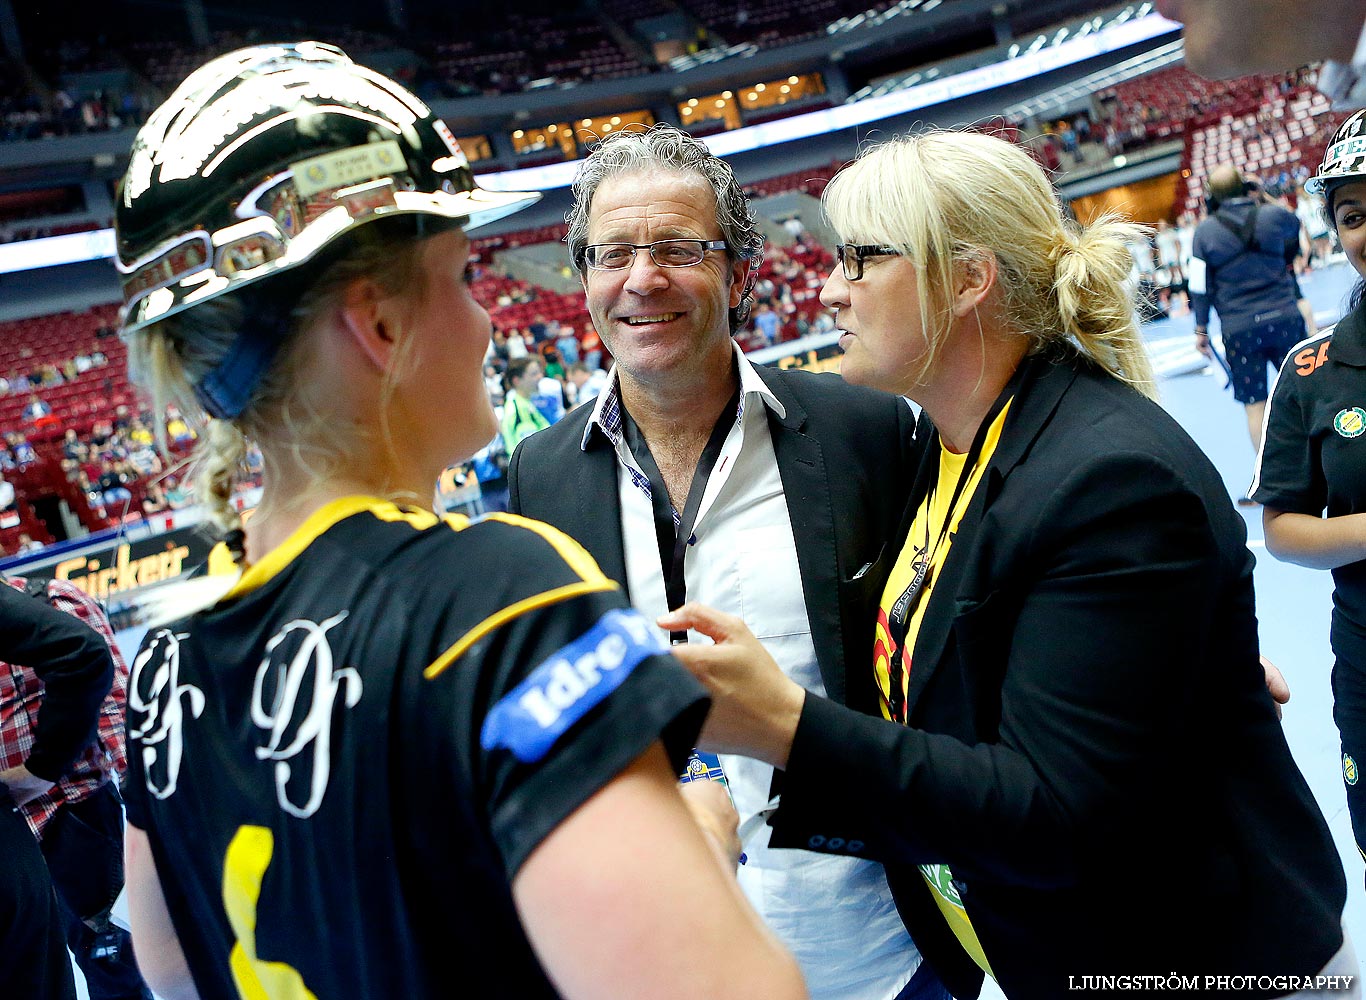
665 253
852 255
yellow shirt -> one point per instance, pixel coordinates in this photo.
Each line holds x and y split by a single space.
922 555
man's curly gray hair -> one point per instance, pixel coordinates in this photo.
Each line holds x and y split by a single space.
669 148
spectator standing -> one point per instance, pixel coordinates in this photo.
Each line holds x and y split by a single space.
521 416
767 322
586 384
1241 266
566 343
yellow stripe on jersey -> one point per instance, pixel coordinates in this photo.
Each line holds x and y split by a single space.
510 612
318 522
570 551
416 516
244 868
574 554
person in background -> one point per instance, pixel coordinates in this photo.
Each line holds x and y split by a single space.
9 504
392 747
1309 476
493 382
76 671
521 416
25 544
1241 267
586 385
1032 726
79 819
566 343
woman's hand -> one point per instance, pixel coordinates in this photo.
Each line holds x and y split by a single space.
755 706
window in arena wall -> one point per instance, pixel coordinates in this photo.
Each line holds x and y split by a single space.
590 130
713 113
475 147
777 92
558 137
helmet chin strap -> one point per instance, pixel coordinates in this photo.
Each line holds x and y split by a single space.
227 389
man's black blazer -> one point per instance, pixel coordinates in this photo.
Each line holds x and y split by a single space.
1091 746
845 456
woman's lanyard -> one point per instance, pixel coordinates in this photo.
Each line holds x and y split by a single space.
673 538
901 612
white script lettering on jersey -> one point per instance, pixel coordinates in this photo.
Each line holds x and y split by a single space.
292 700
155 691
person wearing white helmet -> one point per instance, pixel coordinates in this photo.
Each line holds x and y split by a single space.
1311 472
401 756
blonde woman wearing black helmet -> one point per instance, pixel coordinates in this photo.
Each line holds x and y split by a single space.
1311 471
401 756
1075 778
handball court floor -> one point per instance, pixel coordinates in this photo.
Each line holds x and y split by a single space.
1293 603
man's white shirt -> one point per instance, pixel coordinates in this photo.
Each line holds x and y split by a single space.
836 914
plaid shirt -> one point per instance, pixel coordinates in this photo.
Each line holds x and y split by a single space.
21 695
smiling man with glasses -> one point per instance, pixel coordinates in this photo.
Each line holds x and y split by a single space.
698 476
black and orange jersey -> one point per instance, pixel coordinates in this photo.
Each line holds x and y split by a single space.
342 764
1313 455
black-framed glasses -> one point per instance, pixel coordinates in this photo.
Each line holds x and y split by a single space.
665 253
852 256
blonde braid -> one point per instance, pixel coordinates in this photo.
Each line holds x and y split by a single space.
221 460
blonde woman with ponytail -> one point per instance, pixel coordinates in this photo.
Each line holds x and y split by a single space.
401 756
1069 763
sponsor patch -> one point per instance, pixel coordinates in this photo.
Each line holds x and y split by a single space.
1349 769
1351 422
346 167
533 715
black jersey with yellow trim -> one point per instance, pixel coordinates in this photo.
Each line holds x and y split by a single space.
342 764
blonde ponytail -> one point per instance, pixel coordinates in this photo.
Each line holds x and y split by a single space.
1095 300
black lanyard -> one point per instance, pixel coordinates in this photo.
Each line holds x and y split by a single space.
902 610
673 540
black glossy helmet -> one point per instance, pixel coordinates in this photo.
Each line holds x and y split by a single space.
260 160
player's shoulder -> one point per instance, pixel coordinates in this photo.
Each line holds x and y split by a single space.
533 546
